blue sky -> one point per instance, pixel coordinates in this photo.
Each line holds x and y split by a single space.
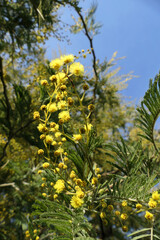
130 27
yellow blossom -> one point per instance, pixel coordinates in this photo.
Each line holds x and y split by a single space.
104 204
61 78
36 115
53 78
44 82
124 216
59 186
43 185
39 171
56 63
64 115
117 213
35 231
51 183
37 238
94 180
52 107
60 165
155 195
77 69
102 215
62 104
55 196
58 151
124 204
138 206
49 139
52 124
42 128
54 143
152 203
110 207
72 174
43 107
125 228
76 202
40 151
45 165
44 194
58 134
148 215
42 136
77 137
67 58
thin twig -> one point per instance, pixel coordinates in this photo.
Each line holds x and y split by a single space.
92 50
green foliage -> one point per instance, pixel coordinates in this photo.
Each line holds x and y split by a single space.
149 111
66 223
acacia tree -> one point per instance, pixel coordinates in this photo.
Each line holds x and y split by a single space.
20 136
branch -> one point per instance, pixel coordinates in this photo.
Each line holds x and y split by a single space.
5 92
92 50
9 184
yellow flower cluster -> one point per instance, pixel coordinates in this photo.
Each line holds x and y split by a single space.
59 186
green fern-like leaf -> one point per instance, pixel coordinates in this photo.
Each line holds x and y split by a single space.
149 111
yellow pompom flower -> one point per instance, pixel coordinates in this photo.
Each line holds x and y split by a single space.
42 128
40 152
59 186
76 202
49 139
37 238
56 63
102 215
53 78
36 115
55 196
124 216
39 171
45 165
148 215
58 152
117 213
44 82
125 228
152 203
58 134
110 207
77 69
64 115
67 58
80 194
61 78
94 180
35 231
54 143
52 107
155 195
138 206
77 137
62 104
124 204
44 194
72 174
60 165
104 204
